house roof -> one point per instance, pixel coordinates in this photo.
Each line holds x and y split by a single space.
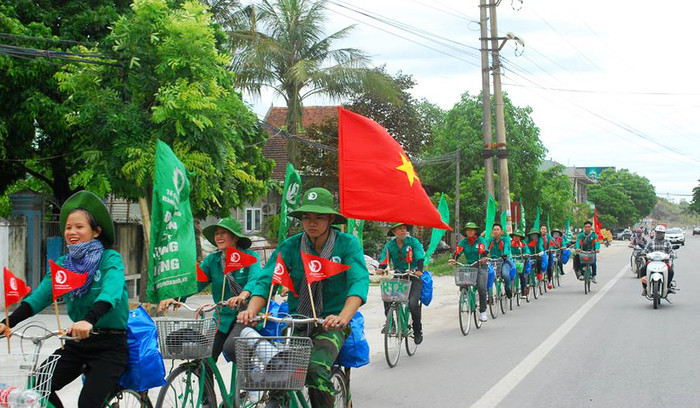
276 146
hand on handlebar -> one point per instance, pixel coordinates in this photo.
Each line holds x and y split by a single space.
418 273
237 300
165 304
5 330
452 262
334 322
246 317
80 330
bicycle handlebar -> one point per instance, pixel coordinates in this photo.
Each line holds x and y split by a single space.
289 320
61 334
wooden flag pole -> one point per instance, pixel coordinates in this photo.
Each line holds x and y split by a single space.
58 319
223 287
267 308
7 320
313 306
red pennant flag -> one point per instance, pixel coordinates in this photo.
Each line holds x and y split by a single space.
281 275
15 288
386 258
236 259
598 227
377 181
409 256
65 281
458 250
318 269
201 276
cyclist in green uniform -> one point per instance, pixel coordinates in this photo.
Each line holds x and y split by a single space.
336 298
534 244
99 308
228 233
559 242
547 243
518 248
586 241
473 247
496 247
406 253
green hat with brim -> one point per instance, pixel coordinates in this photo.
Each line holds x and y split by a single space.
318 200
534 231
470 225
390 233
91 203
233 226
557 230
518 233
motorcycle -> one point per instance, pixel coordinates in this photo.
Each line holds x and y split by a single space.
657 275
637 261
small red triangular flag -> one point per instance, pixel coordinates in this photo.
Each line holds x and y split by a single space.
65 281
318 269
281 275
15 288
201 276
409 256
236 259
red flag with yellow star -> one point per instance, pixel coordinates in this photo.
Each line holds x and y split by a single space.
377 180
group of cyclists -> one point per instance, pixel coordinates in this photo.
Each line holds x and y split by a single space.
100 307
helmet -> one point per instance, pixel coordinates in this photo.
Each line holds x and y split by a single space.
660 228
639 230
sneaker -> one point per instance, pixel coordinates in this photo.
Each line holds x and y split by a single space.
595 279
549 286
418 338
644 292
561 273
671 290
509 294
483 317
384 329
580 277
527 291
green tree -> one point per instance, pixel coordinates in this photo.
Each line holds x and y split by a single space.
555 193
281 46
695 202
175 87
624 195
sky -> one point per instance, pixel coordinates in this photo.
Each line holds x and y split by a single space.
610 83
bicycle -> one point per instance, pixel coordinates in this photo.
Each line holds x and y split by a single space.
39 378
466 278
397 327
499 296
515 284
535 283
587 259
554 260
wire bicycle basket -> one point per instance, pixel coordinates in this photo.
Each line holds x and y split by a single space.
22 372
272 363
395 289
186 339
466 275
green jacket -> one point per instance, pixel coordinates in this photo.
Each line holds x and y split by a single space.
211 266
472 250
497 249
108 285
519 249
336 289
399 256
587 244
535 245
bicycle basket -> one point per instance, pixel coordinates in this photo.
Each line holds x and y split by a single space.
272 363
466 275
395 290
185 339
23 373
588 259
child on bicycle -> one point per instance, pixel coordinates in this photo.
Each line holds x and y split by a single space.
336 299
496 247
99 308
406 253
473 247
227 233
518 248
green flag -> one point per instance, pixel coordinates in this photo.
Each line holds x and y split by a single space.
356 228
504 222
567 230
290 200
490 217
523 226
549 229
437 234
536 224
172 270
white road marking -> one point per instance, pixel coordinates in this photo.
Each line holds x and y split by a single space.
498 392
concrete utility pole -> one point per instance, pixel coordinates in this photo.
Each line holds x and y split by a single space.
457 226
486 101
504 197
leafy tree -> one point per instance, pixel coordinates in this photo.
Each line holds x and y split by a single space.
624 195
695 202
555 193
174 87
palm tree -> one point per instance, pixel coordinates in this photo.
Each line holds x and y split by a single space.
281 46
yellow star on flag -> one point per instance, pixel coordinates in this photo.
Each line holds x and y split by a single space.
407 167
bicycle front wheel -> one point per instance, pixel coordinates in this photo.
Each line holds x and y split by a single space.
186 387
503 299
474 302
410 340
492 299
340 386
464 312
128 399
392 336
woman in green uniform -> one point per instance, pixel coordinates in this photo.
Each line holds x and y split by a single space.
99 307
473 247
336 298
239 283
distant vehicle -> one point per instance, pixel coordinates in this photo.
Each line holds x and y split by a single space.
623 235
675 236
696 231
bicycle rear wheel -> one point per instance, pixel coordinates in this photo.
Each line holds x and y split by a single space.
464 312
586 280
503 299
186 387
534 287
474 300
392 337
340 385
410 340
128 399
492 299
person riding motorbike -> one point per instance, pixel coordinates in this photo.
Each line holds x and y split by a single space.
638 239
659 244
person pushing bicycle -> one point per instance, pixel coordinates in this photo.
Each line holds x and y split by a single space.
473 247
406 253
335 299
586 241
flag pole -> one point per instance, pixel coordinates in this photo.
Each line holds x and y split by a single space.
267 308
7 320
58 319
313 306
223 287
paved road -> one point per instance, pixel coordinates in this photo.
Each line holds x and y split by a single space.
566 349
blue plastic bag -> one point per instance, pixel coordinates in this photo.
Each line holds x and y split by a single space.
145 369
491 276
355 350
527 267
565 255
544 261
275 329
426 295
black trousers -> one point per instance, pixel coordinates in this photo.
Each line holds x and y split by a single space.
577 266
414 305
101 357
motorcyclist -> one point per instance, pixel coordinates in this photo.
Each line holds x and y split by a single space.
638 239
659 244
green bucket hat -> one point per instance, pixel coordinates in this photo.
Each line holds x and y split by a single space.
319 201
534 231
470 225
518 233
556 230
233 226
91 203
390 233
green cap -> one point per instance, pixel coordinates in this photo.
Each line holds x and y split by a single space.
233 226
470 225
319 201
534 231
556 230
89 202
518 233
398 224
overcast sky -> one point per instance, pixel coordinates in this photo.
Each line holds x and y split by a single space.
603 77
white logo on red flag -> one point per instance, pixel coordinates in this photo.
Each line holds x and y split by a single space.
13 283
